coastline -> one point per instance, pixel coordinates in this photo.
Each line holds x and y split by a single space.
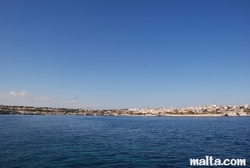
170 115
200 111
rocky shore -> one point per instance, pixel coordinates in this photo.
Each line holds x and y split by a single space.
211 110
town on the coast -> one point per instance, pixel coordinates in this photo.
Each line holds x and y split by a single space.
210 110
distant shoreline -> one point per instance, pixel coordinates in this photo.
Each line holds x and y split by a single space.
174 115
200 111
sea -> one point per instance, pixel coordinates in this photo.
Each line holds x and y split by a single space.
119 141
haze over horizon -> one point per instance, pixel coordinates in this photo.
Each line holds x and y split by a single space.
109 54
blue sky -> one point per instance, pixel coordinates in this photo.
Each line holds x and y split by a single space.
107 54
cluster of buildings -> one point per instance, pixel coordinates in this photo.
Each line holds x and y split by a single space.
214 110
211 109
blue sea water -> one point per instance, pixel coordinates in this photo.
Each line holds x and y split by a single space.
119 141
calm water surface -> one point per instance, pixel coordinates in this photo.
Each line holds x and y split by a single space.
99 141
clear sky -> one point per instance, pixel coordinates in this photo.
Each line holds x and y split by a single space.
107 54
